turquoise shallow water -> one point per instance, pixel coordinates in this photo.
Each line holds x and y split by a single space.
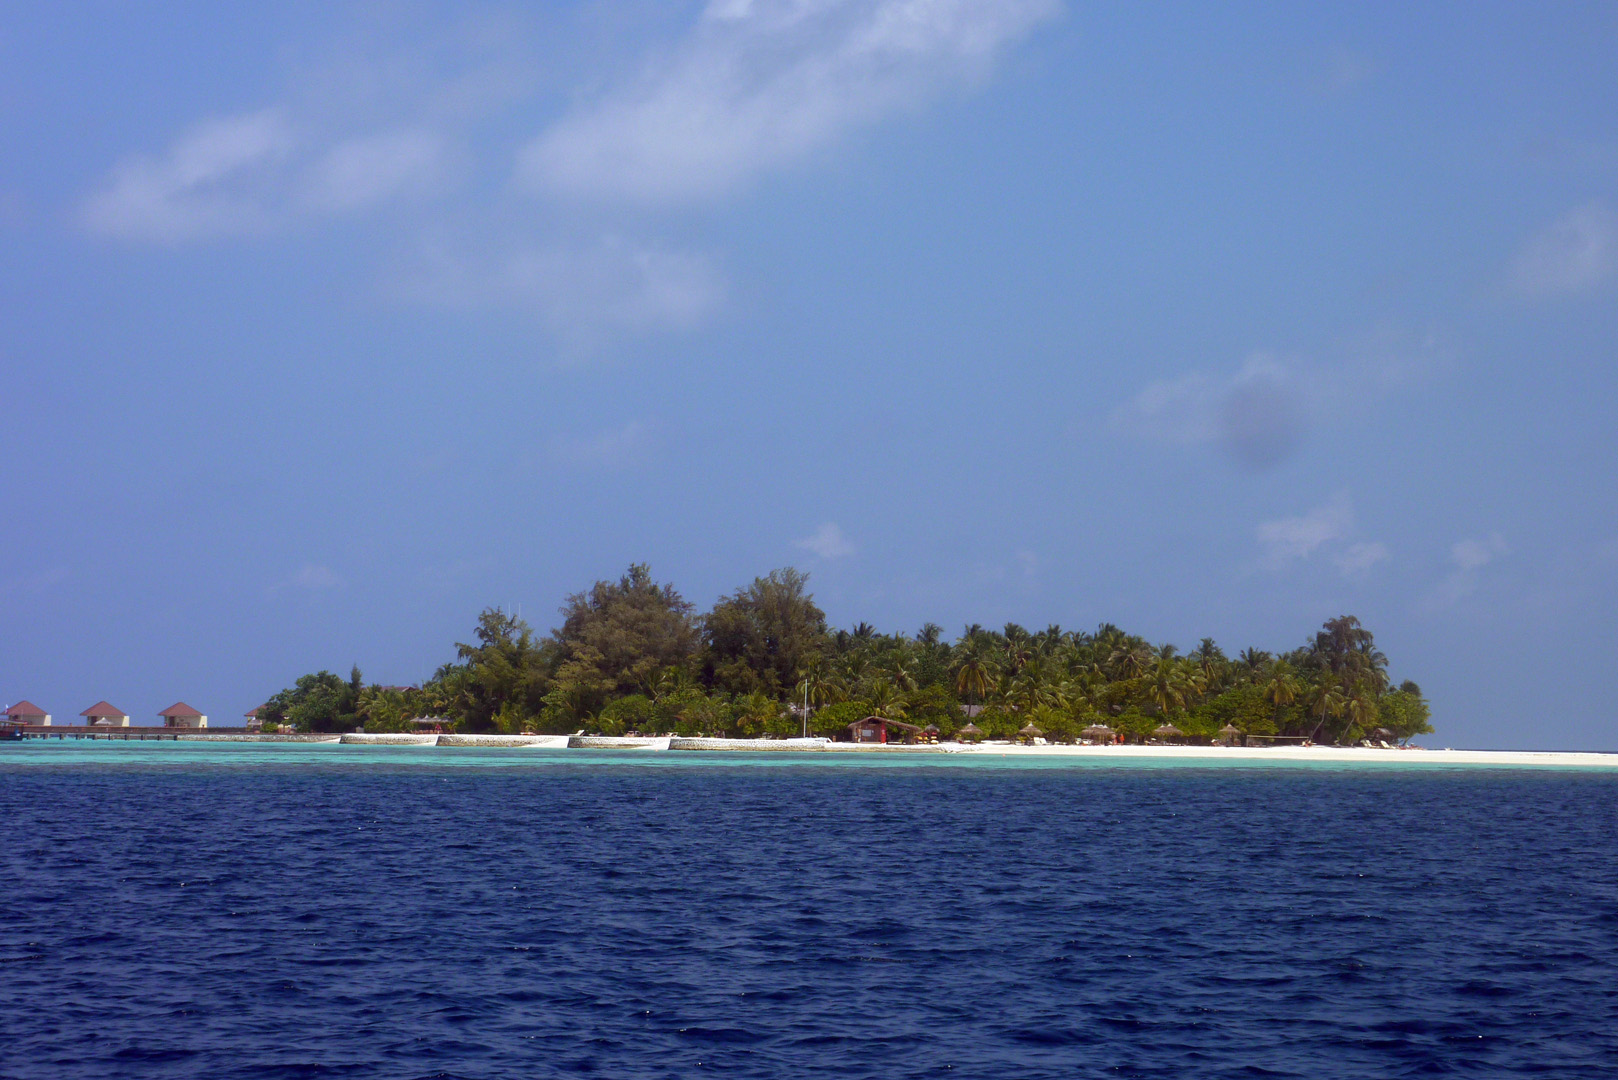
52 753
205 910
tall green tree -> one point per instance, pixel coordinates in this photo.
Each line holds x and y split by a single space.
760 637
629 631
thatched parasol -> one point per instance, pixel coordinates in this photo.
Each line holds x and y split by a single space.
1167 731
1030 731
1230 732
970 729
1098 731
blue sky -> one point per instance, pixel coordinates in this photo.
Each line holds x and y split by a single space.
327 325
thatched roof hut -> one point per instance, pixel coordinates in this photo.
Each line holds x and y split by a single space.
1030 732
1167 731
1098 733
969 730
1229 734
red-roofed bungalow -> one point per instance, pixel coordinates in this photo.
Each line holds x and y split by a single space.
103 714
26 712
182 715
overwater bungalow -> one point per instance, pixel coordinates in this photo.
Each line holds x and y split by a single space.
105 714
181 715
26 712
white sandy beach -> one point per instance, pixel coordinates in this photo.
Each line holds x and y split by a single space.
1132 753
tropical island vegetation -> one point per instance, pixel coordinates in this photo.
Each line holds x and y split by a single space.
634 655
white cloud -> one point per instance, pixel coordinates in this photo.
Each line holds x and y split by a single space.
1260 413
828 542
260 172
210 183
583 293
1288 539
310 577
1574 253
614 448
1360 557
363 171
1468 557
1257 415
759 84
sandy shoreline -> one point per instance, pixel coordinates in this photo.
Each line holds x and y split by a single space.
1301 755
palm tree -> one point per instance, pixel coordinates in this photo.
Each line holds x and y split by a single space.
885 701
1166 685
1253 662
1325 701
1282 688
975 677
1129 659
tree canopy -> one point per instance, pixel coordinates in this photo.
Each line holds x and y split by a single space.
632 654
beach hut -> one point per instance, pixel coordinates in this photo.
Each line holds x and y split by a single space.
1098 733
1028 732
182 715
878 729
26 712
1165 732
1230 734
103 714
254 722
969 732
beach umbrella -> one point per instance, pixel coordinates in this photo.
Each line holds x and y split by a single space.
971 731
1167 731
1098 731
1230 731
1030 731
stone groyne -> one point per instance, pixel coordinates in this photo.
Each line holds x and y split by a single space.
702 743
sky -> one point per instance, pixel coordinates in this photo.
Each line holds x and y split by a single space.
324 326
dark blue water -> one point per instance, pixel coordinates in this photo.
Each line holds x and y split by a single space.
363 919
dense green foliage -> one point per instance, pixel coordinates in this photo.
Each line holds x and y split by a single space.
633 655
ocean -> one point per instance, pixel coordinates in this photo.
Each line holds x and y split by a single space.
193 910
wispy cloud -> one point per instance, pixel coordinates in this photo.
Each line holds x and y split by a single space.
1573 254
1260 413
1359 558
741 88
1467 559
614 448
217 179
582 293
1326 531
310 577
1257 415
1289 539
828 542
759 84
